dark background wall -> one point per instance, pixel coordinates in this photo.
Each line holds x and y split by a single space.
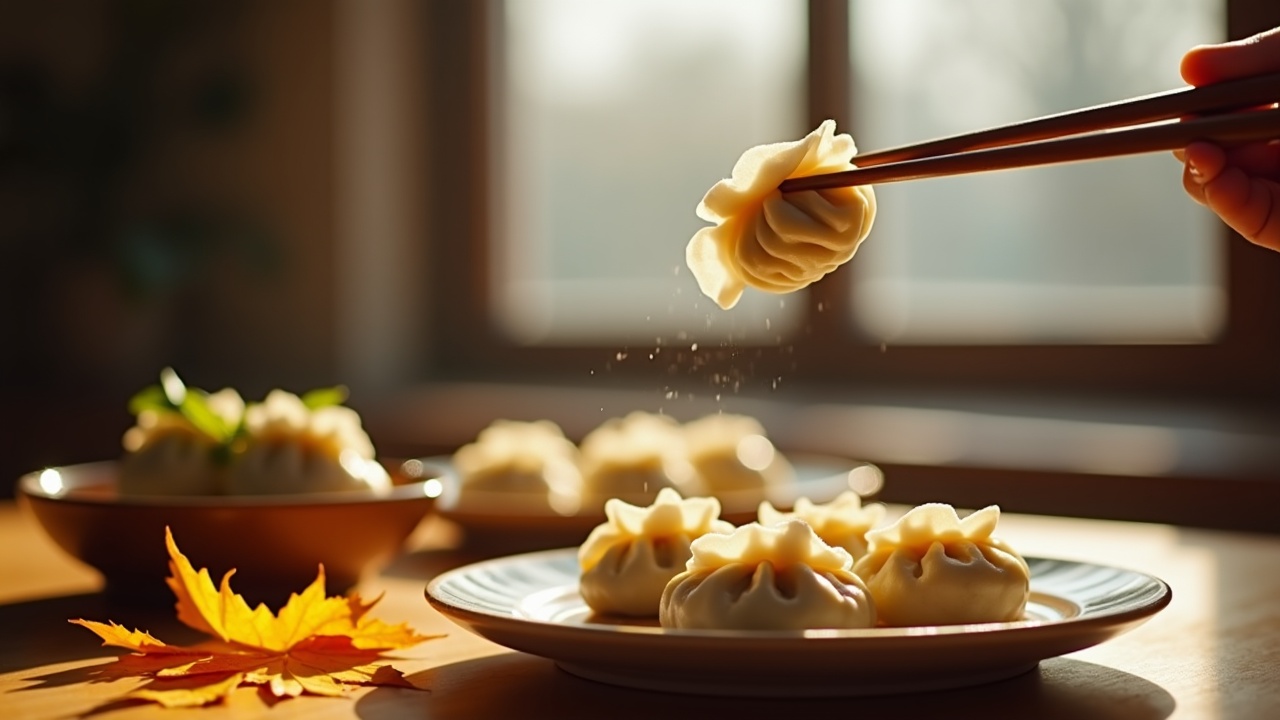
166 199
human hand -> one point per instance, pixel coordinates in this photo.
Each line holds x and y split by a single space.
1241 184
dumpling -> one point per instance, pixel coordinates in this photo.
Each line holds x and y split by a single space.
779 242
166 454
731 452
627 561
291 448
632 458
842 523
767 578
932 568
532 461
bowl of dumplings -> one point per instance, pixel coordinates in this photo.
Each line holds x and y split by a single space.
525 485
274 489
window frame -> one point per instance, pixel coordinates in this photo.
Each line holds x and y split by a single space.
1237 370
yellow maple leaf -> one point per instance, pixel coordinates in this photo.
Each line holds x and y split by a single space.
315 644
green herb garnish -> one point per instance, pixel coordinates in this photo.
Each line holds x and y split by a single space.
325 397
173 396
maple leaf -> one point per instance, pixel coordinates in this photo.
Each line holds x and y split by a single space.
315 644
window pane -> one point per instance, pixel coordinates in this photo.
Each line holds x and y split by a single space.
617 117
1107 251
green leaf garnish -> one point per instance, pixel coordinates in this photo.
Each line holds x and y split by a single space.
325 397
174 389
173 396
150 398
195 408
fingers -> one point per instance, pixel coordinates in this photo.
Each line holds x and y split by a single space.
1208 64
1209 162
1193 186
1261 159
1241 185
1249 205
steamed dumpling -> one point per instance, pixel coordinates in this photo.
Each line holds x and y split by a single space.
731 452
767 578
291 448
627 561
843 522
168 455
533 461
632 458
932 568
779 242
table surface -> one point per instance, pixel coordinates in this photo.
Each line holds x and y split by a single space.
1214 652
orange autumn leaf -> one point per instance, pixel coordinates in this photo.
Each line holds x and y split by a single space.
137 640
315 644
186 693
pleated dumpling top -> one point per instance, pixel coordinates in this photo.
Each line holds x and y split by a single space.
779 242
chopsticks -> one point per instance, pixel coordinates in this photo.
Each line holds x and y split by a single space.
1091 133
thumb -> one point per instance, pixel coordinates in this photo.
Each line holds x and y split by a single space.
1256 55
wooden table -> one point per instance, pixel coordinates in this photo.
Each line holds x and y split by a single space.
1213 653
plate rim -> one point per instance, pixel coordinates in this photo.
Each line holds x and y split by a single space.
28 485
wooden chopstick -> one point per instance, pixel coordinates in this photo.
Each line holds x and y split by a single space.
909 161
1223 129
1217 98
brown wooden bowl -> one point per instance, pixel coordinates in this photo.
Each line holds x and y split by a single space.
275 543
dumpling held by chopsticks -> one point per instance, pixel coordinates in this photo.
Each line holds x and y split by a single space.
779 242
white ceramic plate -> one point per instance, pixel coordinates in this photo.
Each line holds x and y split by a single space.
512 522
530 603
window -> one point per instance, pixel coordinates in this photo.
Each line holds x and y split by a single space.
617 116
586 132
1094 252
1105 414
